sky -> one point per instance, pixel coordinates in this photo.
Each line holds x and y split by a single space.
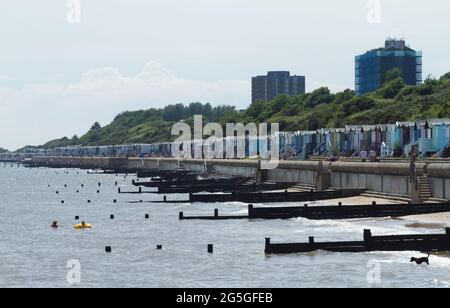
58 77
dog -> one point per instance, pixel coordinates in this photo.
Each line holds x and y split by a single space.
420 261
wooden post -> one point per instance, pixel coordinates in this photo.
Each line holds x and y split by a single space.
250 210
447 232
312 243
180 215
210 248
216 213
140 190
267 249
108 249
368 239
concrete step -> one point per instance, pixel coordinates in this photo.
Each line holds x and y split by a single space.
437 200
400 198
302 188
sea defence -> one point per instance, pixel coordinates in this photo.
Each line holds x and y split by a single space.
386 178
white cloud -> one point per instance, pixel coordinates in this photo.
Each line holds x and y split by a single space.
6 78
42 111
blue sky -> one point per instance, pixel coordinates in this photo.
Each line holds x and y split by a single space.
57 78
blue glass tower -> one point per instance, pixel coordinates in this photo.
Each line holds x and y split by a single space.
371 67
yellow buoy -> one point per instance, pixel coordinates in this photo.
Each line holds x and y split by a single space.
82 227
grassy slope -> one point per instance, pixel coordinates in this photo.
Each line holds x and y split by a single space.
394 102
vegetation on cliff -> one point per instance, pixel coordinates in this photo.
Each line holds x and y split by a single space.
394 101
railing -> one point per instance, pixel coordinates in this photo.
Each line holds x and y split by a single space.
441 151
386 151
426 146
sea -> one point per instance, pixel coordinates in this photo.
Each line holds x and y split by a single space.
33 254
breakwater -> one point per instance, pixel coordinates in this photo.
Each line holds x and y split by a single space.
426 181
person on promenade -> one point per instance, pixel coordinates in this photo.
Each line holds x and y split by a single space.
363 155
373 156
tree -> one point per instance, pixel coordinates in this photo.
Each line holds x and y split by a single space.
344 96
445 77
393 74
255 110
318 97
392 88
357 104
96 126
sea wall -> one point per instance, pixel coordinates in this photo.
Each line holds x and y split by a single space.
390 178
439 178
378 177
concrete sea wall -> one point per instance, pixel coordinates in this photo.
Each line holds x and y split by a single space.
439 177
390 178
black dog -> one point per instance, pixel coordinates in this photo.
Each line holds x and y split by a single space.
420 261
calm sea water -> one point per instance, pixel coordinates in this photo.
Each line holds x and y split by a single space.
34 255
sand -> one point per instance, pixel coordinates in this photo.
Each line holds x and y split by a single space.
438 220
361 200
431 221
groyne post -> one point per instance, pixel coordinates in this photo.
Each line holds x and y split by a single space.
267 249
368 239
323 179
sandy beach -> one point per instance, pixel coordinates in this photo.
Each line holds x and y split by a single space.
362 200
432 221
439 220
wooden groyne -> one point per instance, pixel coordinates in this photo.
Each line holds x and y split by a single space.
286 196
259 197
332 212
168 183
416 242
215 217
347 212
187 182
167 175
392 178
222 186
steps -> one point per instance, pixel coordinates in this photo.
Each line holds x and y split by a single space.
424 188
302 188
397 198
